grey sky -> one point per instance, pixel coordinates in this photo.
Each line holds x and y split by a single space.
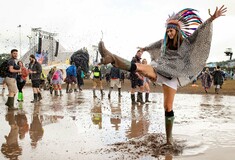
126 24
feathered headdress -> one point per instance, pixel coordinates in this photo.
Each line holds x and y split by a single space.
186 20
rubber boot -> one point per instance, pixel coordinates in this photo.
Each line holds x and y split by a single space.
61 93
108 57
119 92
169 120
51 90
39 96
94 96
22 97
67 88
110 90
102 92
10 103
133 99
140 98
147 98
217 90
56 93
35 95
19 97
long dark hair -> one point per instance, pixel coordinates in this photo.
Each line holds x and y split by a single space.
174 43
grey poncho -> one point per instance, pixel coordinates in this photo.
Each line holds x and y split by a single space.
186 62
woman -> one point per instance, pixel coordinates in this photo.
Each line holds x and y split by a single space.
206 80
21 80
146 85
176 60
57 79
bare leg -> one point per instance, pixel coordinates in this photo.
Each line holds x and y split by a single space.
169 95
108 57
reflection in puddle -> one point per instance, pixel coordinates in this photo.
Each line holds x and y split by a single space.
109 129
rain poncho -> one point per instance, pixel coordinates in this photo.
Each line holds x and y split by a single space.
186 62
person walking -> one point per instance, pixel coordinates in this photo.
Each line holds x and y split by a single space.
218 79
97 80
206 80
176 60
21 80
71 78
35 70
57 79
137 80
13 70
115 80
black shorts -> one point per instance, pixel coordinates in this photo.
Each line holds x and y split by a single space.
35 83
136 82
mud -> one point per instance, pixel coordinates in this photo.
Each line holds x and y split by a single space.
76 126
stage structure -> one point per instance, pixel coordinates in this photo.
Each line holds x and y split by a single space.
43 45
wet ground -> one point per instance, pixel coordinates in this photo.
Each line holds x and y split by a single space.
76 126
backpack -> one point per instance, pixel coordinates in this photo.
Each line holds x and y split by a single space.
4 69
82 74
55 76
70 71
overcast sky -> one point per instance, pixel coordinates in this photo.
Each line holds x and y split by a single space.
126 24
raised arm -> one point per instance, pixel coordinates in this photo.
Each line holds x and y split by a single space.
218 13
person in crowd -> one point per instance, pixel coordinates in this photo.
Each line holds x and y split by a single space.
71 78
115 76
206 80
97 80
176 60
35 70
21 80
217 79
137 80
13 70
57 79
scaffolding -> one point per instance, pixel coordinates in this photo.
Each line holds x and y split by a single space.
48 40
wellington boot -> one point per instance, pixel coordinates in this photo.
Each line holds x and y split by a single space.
94 95
56 93
19 97
22 97
61 93
108 57
133 99
140 98
147 98
119 92
39 96
35 98
169 125
10 103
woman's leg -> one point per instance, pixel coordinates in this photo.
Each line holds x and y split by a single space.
108 57
169 95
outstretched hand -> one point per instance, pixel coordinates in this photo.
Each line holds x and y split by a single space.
218 13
